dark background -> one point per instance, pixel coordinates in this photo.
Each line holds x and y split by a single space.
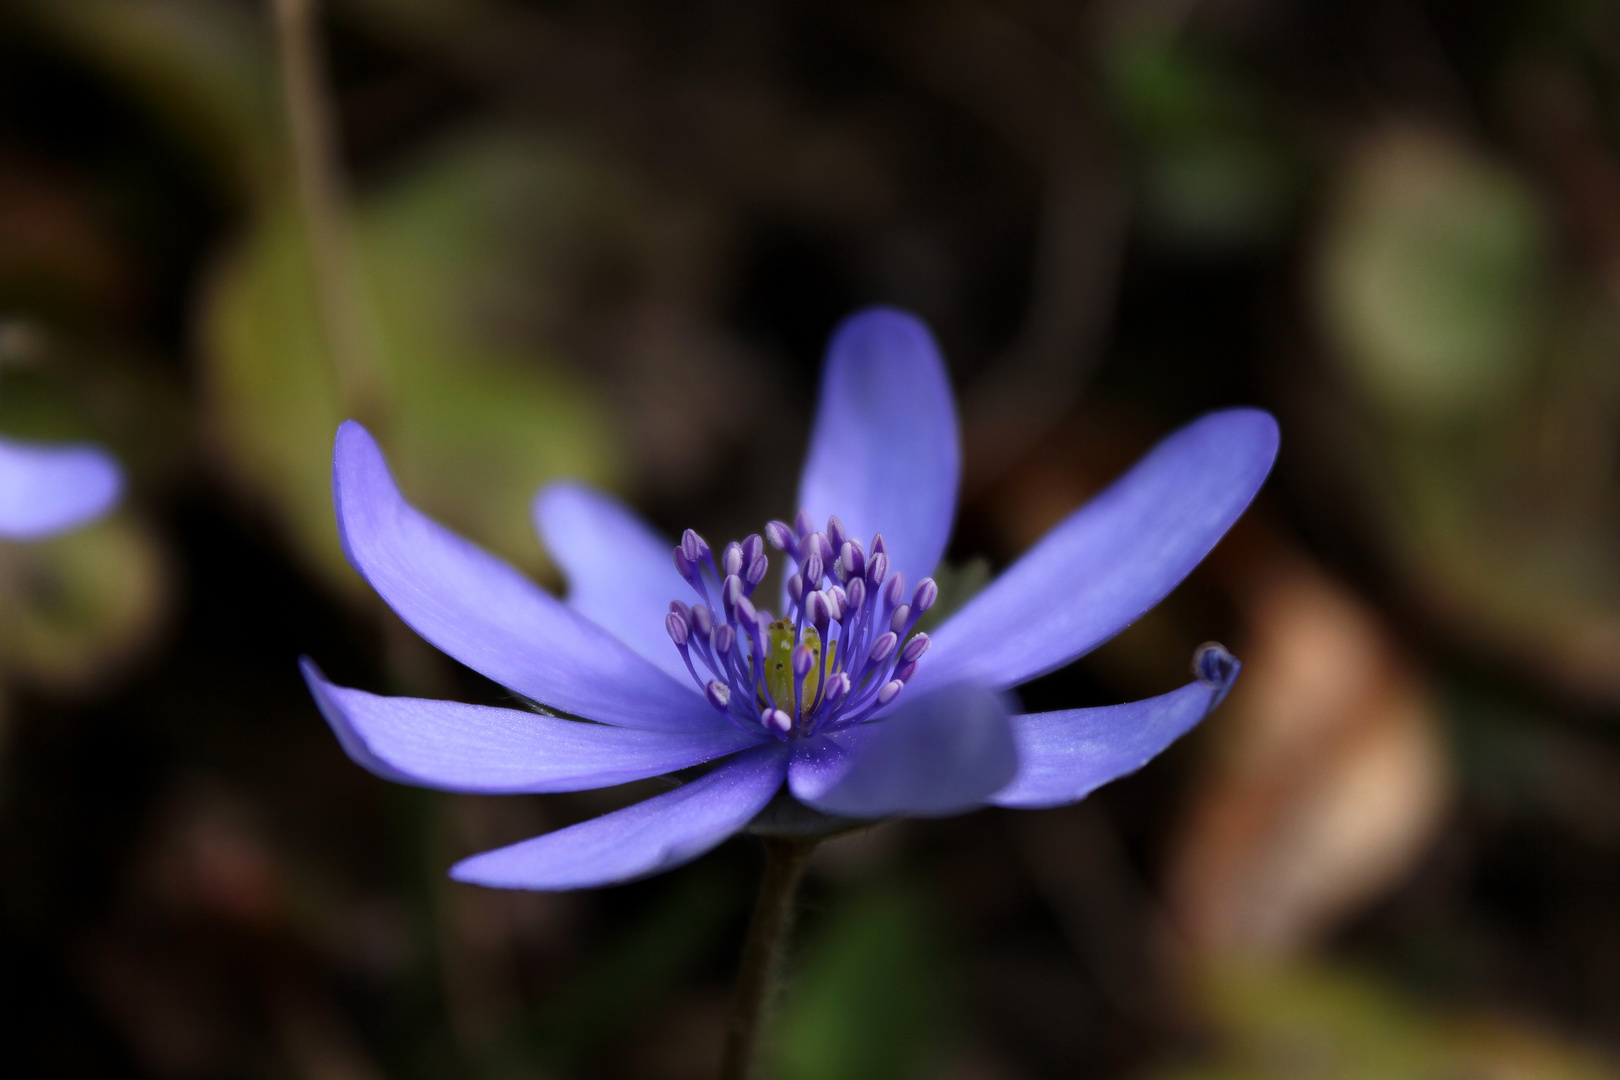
609 240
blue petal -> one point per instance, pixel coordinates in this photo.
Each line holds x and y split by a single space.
456 747
490 617
643 839
47 489
1065 756
1110 561
939 753
620 573
885 455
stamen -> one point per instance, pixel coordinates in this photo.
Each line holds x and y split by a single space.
894 589
835 532
900 618
694 547
811 568
817 611
851 561
780 534
840 654
677 629
883 646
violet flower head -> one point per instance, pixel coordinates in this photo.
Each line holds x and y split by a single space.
837 704
48 488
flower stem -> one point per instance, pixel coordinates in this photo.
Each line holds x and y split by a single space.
323 201
759 971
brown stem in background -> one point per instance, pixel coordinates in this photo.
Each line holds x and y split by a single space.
760 968
323 200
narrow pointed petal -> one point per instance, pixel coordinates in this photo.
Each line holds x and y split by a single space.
473 748
484 613
886 455
647 838
619 571
1065 756
46 489
1111 560
938 754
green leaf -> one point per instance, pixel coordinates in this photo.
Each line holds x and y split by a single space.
1433 276
458 255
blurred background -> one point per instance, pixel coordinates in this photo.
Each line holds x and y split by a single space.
608 240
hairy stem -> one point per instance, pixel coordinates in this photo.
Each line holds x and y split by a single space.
759 971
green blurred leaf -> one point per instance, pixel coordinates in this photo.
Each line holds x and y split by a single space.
1318 1023
870 996
1213 170
72 605
1434 276
460 255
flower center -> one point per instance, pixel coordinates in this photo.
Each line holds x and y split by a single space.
844 649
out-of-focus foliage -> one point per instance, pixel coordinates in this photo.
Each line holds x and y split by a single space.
1321 1022
79 602
1476 406
458 395
870 996
1332 780
1434 277
456 251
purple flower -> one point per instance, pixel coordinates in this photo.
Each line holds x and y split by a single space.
47 489
678 663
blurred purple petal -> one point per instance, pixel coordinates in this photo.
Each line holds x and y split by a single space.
885 455
484 613
1111 560
47 489
473 748
643 839
936 754
1065 756
619 571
